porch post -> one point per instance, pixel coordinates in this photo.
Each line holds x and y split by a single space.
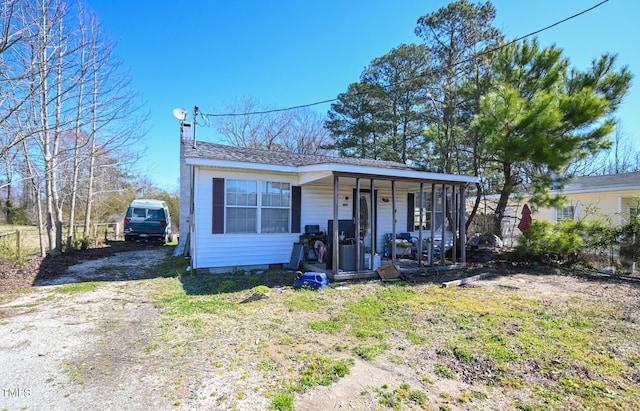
420 237
463 224
335 247
357 217
444 225
373 219
394 217
455 207
433 223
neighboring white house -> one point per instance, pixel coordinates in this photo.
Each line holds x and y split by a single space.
243 207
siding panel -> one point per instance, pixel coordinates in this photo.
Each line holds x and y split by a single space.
229 250
316 207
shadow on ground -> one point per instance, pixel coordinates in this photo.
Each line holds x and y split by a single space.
114 261
206 284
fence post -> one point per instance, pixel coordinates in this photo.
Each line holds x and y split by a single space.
18 243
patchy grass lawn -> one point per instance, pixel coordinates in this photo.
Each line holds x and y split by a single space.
480 347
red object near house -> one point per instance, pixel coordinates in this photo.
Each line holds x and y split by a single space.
525 220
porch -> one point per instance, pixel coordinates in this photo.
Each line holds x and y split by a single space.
378 212
404 265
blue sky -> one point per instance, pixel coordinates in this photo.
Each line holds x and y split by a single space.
286 53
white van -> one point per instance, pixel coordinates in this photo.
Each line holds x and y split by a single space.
148 220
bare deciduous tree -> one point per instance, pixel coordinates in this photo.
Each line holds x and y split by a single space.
622 157
254 125
67 109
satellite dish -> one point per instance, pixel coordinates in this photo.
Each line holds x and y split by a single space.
180 114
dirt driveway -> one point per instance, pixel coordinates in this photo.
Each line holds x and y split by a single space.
66 344
65 350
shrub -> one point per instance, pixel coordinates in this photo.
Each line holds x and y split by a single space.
566 240
630 240
545 241
81 243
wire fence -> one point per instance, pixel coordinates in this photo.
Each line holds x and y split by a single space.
11 237
20 243
108 231
23 242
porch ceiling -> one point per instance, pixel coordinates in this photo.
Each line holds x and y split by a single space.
349 179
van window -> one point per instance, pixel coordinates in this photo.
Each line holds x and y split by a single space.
147 214
156 214
139 213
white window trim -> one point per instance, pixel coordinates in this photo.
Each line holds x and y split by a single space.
258 206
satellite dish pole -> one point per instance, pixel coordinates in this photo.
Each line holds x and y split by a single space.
195 124
181 114
186 183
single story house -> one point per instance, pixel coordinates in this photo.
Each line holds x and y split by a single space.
249 208
612 195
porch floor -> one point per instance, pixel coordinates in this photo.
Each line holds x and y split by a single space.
406 266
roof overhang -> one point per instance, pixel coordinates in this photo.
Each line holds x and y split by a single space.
324 173
573 189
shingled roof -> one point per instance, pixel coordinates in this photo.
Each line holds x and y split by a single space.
212 151
629 181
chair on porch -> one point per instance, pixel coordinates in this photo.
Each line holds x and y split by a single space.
405 245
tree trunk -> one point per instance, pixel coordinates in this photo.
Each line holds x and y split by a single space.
501 207
56 141
476 205
35 187
77 144
74 188
92 147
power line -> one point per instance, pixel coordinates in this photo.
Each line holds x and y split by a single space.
271 111
541 30
493 50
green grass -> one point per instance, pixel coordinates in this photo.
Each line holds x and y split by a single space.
580 350
283 401
402 397
180 303
77 287
369 352
318 369
330 326
307 302
443 371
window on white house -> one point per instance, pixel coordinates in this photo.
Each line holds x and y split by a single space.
241 206
276 204
245 206
426 207
566 213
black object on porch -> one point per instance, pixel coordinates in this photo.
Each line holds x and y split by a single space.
347 246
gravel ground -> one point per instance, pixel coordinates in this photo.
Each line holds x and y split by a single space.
71 351
88 350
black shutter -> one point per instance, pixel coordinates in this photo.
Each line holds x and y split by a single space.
411 211
218 206
296 208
